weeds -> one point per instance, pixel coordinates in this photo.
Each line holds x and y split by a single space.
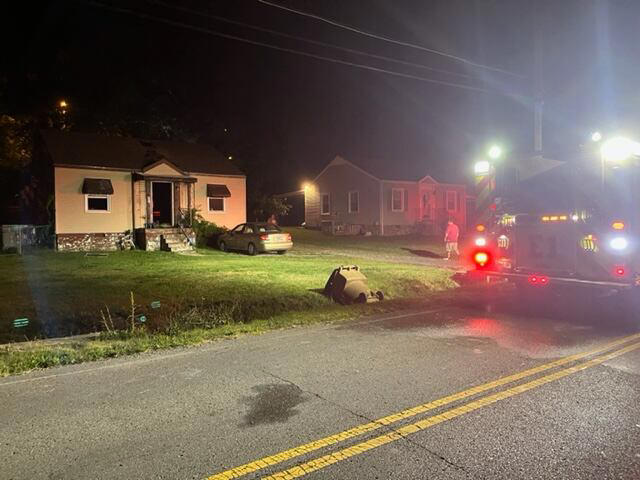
107 320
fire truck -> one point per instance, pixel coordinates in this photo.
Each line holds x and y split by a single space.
571 226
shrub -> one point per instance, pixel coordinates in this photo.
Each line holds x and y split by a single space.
207 233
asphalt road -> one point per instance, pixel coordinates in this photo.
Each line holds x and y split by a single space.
390 397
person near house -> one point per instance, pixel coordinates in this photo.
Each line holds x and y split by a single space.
451 235
272 220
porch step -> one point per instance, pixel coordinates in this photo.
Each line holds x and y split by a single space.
174 242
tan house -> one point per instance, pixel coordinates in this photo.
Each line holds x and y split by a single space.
346 199
106 186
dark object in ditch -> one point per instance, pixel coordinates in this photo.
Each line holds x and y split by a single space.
347 285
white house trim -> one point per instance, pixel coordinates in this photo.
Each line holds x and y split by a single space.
173 220
428 178
402 191
96 195
456 207
322 212
351 210
224 205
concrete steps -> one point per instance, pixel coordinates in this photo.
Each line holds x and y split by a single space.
175 242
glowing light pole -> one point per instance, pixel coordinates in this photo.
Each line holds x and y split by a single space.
485 183
617 150
494 152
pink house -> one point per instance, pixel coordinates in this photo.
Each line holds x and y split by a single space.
346 199
109 188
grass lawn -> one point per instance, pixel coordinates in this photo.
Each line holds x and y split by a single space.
406 249
201 296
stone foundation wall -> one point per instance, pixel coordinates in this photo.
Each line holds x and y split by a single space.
85 242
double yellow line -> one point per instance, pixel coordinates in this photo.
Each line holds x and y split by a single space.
428 422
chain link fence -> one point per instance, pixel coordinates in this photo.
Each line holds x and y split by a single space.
23 238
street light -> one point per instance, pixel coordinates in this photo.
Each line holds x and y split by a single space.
596 137
619 149
482 167
495 152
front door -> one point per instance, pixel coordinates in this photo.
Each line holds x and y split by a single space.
162 195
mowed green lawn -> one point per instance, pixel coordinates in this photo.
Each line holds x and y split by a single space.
406 248
66 293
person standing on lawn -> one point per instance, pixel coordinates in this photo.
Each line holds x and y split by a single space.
451 235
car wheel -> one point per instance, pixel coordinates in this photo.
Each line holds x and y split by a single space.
281 252
251 249
222 246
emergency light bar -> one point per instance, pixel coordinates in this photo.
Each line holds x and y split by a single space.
618 225
554 218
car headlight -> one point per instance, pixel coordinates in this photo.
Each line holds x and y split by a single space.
618 243
481 242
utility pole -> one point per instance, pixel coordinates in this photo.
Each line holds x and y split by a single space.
538 88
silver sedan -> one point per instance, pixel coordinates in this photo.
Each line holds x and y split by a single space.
256 237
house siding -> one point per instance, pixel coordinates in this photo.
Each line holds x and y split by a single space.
341 177
433 213
235 208
400 222
312 206
77 229
338 181
71 216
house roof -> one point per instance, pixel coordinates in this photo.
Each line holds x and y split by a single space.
385 171
94 150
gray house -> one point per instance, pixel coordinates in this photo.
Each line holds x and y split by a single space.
346 199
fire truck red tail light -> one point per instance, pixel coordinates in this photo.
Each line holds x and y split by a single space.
481 258
538 279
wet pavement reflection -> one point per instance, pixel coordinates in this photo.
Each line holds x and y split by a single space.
535 326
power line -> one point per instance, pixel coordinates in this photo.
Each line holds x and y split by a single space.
306 40
289 50
389 39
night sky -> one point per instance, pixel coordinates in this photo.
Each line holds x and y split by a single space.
292 114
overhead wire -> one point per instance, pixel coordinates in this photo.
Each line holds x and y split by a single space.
306 40
389 39
215 33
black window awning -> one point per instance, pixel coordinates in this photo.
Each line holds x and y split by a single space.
216 190
97 186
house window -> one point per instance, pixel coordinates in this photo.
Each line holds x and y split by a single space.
452 201
325 204
354 202
216 204
97 203
397 199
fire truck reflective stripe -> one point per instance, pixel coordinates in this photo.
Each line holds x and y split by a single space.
485 192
